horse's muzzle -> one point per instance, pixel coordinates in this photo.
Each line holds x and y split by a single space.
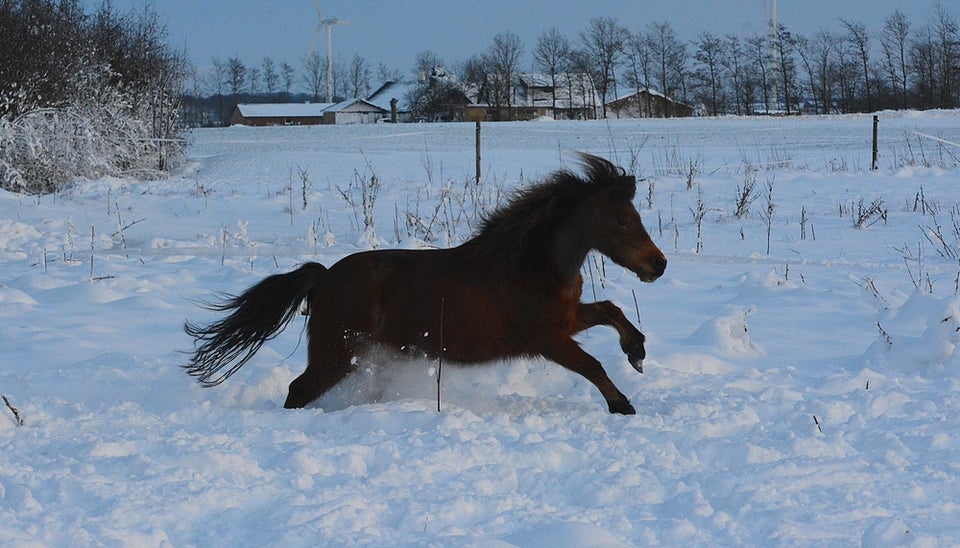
655 269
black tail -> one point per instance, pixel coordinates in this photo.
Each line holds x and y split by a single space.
258 315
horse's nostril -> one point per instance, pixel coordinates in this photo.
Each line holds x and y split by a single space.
660 265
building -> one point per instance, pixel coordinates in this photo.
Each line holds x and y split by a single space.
351 111
394 97
568 96
647 103
574 97
278 114
354 111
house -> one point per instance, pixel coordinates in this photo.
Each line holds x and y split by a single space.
354 111
278 114
647 103
441 97
568 96
394 97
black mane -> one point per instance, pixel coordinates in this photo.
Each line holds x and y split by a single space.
519 229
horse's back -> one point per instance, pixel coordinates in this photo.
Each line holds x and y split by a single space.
400 297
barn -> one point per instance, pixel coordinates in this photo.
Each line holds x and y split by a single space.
354 111
647 103
279 114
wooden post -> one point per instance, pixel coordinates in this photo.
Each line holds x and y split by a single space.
478 150
876 122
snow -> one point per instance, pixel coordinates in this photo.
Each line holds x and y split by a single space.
808 396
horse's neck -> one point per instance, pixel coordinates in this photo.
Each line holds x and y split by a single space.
571 245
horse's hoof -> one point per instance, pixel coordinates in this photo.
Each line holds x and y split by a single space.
636 352
622 407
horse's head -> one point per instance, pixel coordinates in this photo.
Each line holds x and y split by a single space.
620 231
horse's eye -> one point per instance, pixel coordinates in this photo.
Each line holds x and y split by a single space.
622 223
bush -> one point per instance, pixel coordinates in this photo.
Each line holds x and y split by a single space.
106 105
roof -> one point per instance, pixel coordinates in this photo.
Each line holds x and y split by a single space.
651 92
355 105
283 110
393 90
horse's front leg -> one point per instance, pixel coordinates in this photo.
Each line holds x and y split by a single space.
607 313
569 354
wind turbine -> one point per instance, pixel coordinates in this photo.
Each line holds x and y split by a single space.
328 24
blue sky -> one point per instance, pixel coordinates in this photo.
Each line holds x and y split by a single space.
394 32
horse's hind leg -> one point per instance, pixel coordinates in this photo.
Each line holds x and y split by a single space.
328 362
607 313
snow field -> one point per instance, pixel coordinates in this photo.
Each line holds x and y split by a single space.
808 396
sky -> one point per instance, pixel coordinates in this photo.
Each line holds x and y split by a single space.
394 32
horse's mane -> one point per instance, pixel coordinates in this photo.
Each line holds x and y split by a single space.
519 230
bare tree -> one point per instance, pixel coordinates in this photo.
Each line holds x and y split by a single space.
473 71
786 71
271 78
584 85
358 77
386 74
551 55
709 56
946 34
288 76
859 39
426 62
735 64
763 72
639 65
603 41
894 40
503 61
236 77
846 71
217 83
253 77
670 57
315 75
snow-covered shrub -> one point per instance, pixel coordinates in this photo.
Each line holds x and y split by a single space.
100 132
91 95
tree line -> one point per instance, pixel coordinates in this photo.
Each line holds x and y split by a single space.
904 64
213 93
84 94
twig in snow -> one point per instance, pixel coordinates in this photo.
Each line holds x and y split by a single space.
440 360
817 422
126 226
886 336
636 306
14 410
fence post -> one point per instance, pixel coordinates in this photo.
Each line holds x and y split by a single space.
876 122
478 150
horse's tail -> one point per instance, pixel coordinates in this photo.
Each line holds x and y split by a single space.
257 316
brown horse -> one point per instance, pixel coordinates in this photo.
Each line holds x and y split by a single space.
512 290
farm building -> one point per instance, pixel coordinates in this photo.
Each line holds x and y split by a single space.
534 95
574 96
647 103
354 111
278 114
351 111
394 97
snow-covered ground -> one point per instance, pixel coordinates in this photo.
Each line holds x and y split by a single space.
808 395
